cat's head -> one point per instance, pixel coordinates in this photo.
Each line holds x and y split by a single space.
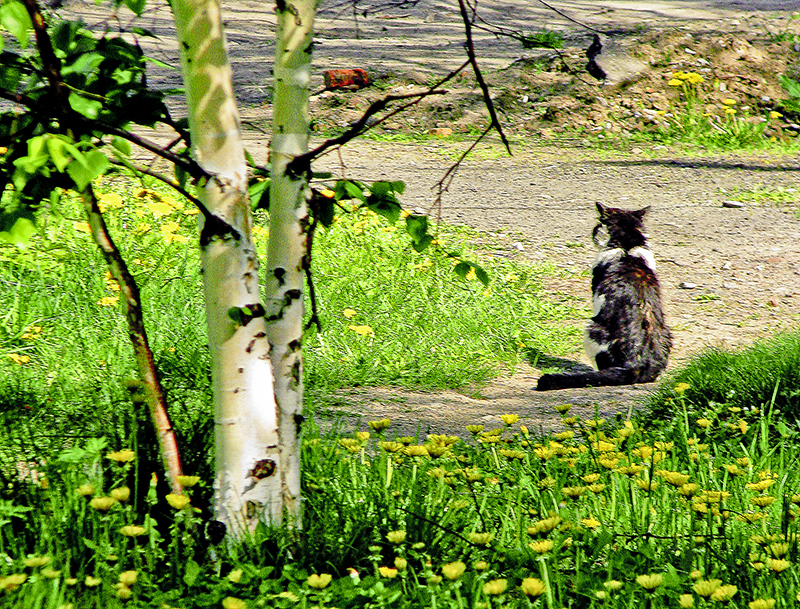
624 228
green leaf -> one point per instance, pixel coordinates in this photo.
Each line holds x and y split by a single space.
84 170
259 194
122 145
325 210
321 175
14 18
417 228
20 233
462 268
137 6
59 153
386 206
349 189
84 64
791 86
89 108
191 573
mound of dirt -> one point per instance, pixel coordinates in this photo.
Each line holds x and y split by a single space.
550 92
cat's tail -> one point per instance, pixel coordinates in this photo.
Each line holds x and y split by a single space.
591 378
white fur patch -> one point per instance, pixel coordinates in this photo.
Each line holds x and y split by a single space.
606 256
598 300
592 348
646 255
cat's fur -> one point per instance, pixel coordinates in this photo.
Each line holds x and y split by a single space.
627 338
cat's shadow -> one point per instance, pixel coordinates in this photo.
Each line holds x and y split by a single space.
551 363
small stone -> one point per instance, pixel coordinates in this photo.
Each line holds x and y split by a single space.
440 132
726 266
517 245
690 51
525 99
732 204
686 285
636 151
772 303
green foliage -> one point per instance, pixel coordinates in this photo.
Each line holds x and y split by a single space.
765 375
792 88
543 39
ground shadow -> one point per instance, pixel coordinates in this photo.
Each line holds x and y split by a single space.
542 361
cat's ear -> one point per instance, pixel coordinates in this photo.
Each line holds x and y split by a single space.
600 209
641 213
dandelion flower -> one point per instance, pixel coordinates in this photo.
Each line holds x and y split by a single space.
235 576
128 578
187 481
481 565
400 563
474 429
51 573
19 359
774 115
481 539
675 82
124 593
177 501
495 586
108 301
704 423
542 546
778 564
92 582
319 581
706 587
380 425
231 602
533 587
122 456
650 581
388 572
509 419
102 503
762 501
686 601
37 561
454 570
121 493
349 313
724 593
362 330
132 530
591 522
12 582
762 603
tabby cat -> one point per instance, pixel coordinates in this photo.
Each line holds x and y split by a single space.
627 338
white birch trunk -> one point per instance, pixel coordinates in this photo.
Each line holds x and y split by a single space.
247 488
285 277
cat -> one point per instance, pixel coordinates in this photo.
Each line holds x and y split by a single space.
627 339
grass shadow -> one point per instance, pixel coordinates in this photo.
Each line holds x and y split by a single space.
551 363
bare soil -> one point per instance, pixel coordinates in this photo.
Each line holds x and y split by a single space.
743 262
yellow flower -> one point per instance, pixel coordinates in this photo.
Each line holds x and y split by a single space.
613 585
417 450
122 493
235 576
762 603
762 501
686 601
778 564
704 423
730 111
177 501
123 592
706 587
396 536
481 539
729 101
51 573
674 82
36 561
187 481
362 330
122 456
724 593
132 530
362 436
774 115
319 581
82 227
128 578
230 602
453 570
19 359
495 586
650 581
563 408
108 301
102 503
481 565
12 582
681 388
542 546
400 563
509 419
388 572
92 582
590 522
533 587
379 425
474 429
